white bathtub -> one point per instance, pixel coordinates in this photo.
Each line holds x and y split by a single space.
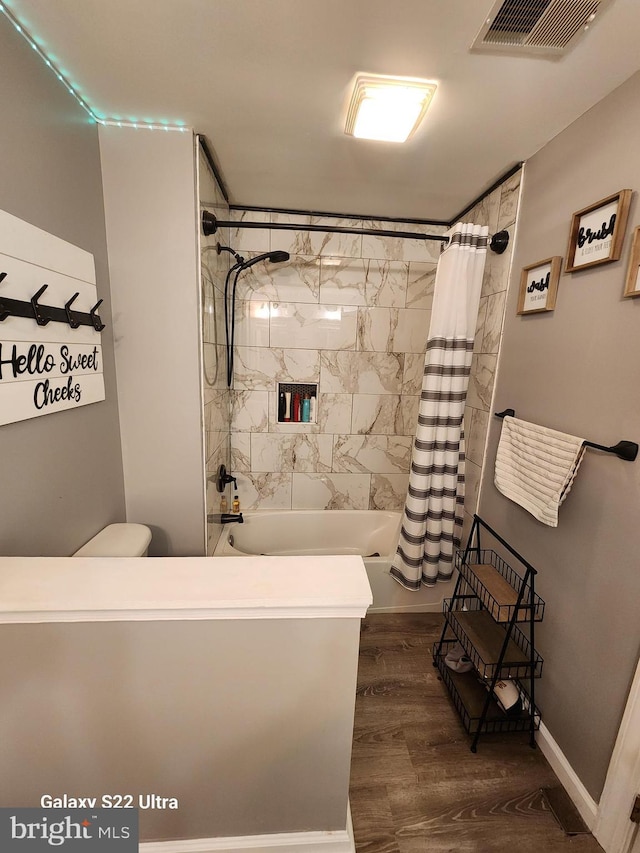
373 534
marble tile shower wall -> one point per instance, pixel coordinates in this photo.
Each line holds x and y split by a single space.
499 210
216 396
350 313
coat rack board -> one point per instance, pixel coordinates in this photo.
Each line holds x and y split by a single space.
50 344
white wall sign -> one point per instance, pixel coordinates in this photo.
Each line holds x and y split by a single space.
595 235
45 369
597 232
539 286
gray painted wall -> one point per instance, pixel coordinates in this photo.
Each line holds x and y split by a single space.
576 370
150 205
254 740
61 473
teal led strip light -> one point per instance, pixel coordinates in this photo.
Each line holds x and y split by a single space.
26 35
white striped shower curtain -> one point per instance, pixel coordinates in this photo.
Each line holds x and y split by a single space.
433 513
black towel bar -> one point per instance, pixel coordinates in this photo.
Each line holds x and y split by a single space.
627 450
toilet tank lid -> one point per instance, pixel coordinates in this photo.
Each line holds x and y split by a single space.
117 540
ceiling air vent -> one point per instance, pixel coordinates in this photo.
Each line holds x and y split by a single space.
538 27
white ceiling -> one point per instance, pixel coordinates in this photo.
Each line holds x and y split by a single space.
267 83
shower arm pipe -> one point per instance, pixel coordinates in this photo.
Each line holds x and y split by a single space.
210 224
627 450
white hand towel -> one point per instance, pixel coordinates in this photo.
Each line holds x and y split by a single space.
535 467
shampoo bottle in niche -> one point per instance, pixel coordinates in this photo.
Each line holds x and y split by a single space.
312 409
235 506
287 405
296 407
282 406
306 409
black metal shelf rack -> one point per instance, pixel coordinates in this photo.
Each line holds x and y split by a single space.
469 697
492 615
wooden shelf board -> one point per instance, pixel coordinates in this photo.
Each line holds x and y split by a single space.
500 589
472 695
487 637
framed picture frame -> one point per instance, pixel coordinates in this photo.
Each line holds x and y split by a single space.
539 286
632 284
597 232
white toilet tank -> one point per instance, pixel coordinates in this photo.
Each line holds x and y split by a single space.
118 540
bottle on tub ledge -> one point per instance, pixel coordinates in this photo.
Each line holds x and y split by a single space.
235 506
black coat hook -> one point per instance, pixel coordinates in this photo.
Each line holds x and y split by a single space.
98 325
4 311
43 314
67 307
41 320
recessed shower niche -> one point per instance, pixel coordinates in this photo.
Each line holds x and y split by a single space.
297 402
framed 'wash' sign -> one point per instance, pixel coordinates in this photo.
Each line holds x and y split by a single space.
539 286
52 366
597 232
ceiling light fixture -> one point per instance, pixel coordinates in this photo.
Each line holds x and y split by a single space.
388 109
26 35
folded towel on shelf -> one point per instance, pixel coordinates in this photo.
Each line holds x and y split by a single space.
535 467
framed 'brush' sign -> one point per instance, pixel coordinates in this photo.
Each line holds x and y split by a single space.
597 232
50 343
539 286
632 284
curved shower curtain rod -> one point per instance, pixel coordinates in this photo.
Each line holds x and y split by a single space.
210 224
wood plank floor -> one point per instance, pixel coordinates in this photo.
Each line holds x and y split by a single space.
415 784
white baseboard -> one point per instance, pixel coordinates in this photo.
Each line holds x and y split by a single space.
340 841
581 798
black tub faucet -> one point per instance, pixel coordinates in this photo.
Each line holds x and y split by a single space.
225 518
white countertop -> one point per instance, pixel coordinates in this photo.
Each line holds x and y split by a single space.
107 589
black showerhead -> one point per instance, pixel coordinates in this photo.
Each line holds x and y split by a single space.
275 258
